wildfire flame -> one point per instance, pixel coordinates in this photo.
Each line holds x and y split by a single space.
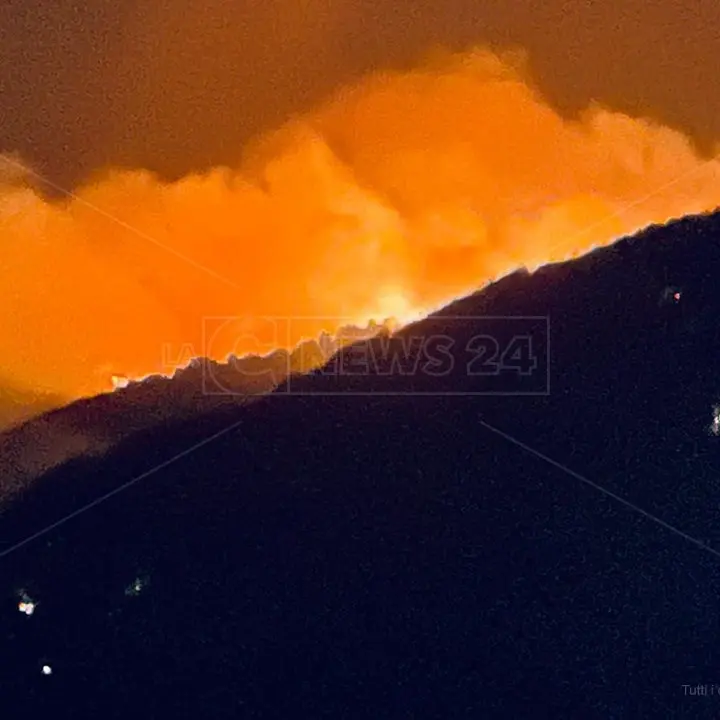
119 382
399 193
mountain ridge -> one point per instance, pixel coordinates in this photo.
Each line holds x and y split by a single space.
393 555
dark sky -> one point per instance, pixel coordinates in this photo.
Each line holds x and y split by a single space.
180 85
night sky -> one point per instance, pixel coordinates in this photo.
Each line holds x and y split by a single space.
175 86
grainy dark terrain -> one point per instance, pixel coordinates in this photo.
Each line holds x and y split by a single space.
92 426
407 555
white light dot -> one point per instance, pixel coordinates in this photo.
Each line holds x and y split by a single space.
26 607
46 670
137 586
715 425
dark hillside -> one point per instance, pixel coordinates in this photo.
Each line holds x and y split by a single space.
356 547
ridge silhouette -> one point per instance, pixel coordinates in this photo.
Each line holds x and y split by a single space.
386 555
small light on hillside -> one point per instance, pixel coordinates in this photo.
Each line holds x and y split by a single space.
137 586
715 425
26 607
671 295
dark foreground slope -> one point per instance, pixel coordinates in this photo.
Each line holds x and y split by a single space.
92 426
19 404
408 555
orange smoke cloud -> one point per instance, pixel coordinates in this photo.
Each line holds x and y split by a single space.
401 192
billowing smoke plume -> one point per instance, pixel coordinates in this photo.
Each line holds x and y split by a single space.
401 192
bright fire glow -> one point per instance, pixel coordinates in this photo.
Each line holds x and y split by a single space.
401 192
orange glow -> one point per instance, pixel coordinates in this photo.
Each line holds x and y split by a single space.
119 382
399 193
